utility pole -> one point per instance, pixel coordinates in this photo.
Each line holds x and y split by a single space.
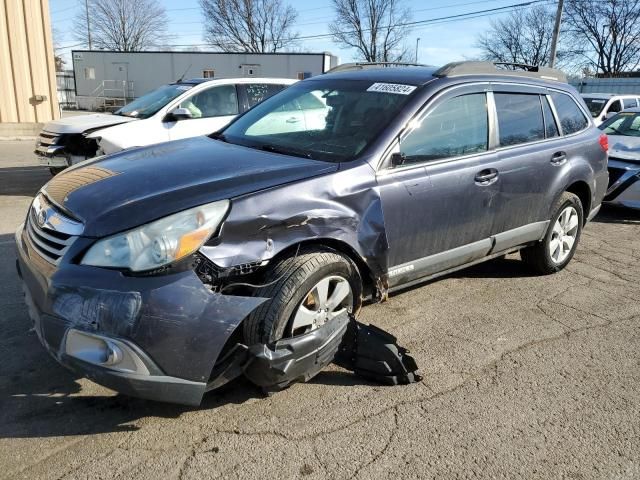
556 34
417 43
86 7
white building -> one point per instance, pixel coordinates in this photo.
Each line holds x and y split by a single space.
110 74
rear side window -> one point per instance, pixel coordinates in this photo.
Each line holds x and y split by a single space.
550 127
256 92
571 117
629 103
458 126
519 118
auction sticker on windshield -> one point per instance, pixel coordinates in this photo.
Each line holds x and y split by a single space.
391 88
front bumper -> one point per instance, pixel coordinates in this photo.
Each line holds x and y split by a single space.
624 186
155 337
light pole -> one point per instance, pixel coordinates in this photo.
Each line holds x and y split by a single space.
556 34
417 44
86 8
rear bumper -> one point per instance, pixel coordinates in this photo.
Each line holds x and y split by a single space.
151 337
624 188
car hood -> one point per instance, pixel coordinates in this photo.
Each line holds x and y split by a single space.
118 192
624 147
82 123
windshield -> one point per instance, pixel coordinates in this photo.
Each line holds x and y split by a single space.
332 120
595 105
150 103
624 123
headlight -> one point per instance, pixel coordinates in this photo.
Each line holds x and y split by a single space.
158 243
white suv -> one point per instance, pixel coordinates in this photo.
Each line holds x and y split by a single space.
179 110
605 105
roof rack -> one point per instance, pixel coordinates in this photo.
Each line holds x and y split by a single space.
455 69
364 65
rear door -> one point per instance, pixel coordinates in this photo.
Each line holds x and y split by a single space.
531 156
211 110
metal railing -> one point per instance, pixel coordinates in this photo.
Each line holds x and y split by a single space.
110 95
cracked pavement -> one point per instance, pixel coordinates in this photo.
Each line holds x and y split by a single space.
524 377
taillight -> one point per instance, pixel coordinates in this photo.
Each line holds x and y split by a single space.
604 142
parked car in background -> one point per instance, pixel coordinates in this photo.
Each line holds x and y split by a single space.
603 106
262 232
624 158
179 110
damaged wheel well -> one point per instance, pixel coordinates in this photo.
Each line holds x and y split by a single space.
367 276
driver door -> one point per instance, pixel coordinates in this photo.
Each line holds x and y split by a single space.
211 109
438 203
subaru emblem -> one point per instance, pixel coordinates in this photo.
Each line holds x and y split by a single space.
42 218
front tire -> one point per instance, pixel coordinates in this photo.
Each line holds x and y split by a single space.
304 291
558 246
56 170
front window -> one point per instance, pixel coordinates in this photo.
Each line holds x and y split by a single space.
148 104
595 105
625 123
332 120
217 101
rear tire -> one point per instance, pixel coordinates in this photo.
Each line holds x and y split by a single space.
558 246
56 170
294 280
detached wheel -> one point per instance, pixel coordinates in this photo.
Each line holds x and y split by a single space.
307 291
557 248
56 170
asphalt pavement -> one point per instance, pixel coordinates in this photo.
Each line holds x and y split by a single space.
525 377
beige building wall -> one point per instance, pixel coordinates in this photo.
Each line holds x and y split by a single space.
28 94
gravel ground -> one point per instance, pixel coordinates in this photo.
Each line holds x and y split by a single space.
524 377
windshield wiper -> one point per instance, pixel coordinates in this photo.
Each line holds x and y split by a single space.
285 151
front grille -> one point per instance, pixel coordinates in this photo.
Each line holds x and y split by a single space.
47 139
50 244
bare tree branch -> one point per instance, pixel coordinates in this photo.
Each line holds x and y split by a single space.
607 33
524 36
249 25
123 25
372 27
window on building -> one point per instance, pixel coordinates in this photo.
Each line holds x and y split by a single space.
89 73
210 73
519 118
571 117
458 126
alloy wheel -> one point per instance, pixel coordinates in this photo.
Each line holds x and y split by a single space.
563 235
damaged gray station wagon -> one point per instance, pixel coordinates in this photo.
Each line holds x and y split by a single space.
144 270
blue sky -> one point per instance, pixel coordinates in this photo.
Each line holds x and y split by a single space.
440 42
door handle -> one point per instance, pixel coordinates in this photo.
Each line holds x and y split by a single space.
293 120
486 176
558 158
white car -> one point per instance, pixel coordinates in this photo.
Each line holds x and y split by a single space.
605 105
179 110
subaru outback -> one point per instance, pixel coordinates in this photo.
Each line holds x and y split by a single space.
143 270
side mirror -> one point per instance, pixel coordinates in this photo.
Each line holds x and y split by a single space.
178 114
397 159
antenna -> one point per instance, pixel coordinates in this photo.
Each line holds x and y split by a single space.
184 73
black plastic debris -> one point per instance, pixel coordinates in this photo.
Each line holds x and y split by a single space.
366 350
374 354
298 359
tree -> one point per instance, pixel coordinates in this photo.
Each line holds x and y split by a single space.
524 36
607 33
375 28
122 25
256 26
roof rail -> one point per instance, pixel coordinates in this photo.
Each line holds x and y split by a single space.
455 69
363 65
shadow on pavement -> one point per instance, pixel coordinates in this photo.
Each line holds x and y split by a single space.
23 181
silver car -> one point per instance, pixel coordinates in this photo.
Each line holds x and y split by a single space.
624 158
